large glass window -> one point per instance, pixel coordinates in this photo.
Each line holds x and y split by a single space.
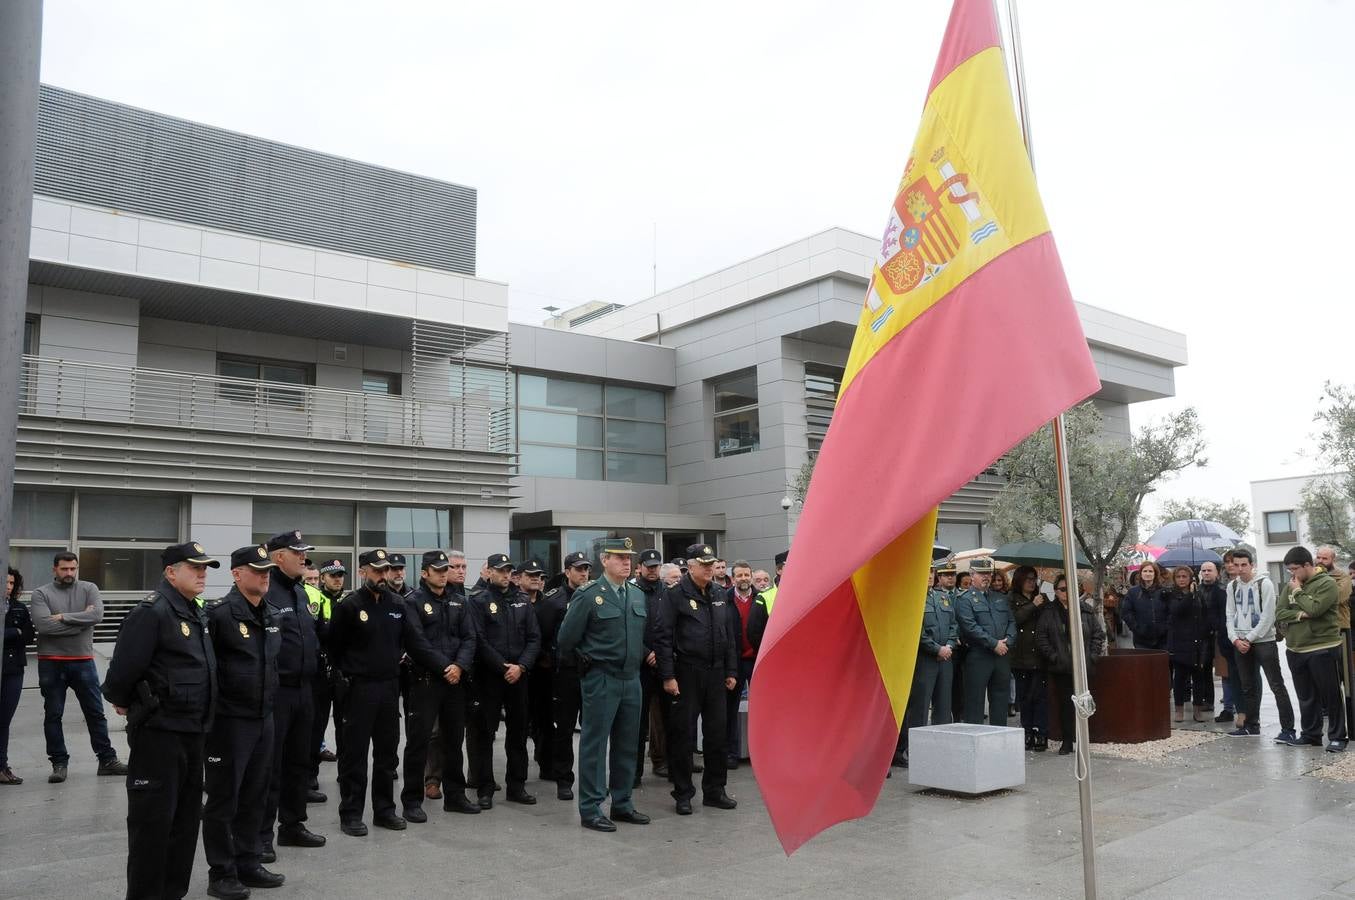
1282 527
263 370
736 414
579 429
34 564
320 523
129 517
41 515
121 568
404 527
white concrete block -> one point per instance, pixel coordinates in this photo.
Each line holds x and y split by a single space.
966 759
440 284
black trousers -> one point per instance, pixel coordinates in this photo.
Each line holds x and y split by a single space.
1063 691
497 698
371 720
164 808
290 778
540 710
651 690
322 698
732 700
1317 681
1264 657
431 703
1192 684
239 763
701 692
566 699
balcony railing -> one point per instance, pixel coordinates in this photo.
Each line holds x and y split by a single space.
67 389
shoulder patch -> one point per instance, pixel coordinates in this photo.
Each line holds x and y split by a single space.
213 604
149 599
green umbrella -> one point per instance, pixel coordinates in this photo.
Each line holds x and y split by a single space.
1036 553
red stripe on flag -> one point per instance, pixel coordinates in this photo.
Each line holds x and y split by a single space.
834 761
972 29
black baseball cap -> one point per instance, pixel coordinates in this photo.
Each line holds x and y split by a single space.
397 560
377 559
191 552
288 540
701 553
255 557
330 566
577 559
532 567
782 557
433 559
650 558
499 561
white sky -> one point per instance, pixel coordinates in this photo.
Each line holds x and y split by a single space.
1194 157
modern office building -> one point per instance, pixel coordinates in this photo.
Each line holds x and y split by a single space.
228 337
1279 521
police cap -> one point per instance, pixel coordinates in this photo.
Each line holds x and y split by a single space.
620 546
376 559
577 560
701 553
397 560
331 566
435 559
191 552
499 561
288 540
650 558
532 567
255 557
981 565
782 557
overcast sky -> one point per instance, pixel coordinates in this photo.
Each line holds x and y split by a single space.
1195 157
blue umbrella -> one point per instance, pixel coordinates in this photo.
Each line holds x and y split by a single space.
1188 556
1200 533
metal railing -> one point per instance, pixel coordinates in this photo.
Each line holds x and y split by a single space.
68 389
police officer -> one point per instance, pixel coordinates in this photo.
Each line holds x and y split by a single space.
163 679
605 624
332 574
509 641
989 628
367 637
432 770
541 684
445 620
240 744
698 662
565 696
647 582
935 660
395 577
294 704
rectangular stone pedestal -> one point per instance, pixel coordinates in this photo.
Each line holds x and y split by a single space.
966 759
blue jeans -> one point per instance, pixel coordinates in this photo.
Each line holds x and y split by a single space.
80 675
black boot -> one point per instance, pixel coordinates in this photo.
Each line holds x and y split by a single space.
1030 739
1041 742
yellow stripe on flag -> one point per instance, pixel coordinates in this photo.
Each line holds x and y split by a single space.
964 149
891 592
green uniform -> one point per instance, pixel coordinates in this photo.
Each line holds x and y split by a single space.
605 624
985 618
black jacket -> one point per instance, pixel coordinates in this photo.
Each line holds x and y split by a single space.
246 642
696 629
1190 633
299 657
653 591
1216 601
1053 638
1146 614
447 624
164 641
369 633
508 628
550 612
19 633
1025 655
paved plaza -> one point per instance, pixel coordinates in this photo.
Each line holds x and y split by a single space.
1234 817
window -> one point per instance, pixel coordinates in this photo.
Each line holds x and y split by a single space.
272 371
120 538
320 523
959 536
822 384
31 335
41 515
380 383
1282 527
589 431
404 528
736 420
122 568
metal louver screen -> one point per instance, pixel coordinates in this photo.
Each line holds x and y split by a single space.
107 154
460 377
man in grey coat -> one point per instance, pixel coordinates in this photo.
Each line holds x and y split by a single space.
65 613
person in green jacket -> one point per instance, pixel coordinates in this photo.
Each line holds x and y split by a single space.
1307 610
605 627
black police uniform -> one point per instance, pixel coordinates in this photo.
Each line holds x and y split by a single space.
163 672
550 609
446 622
293 706
566 688
508 634
368 634
405 591
651 686
697 645
240 744
322 688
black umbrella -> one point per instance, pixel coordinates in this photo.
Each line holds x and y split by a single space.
1036 553
939 552
1188 556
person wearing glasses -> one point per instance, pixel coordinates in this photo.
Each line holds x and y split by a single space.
1053 638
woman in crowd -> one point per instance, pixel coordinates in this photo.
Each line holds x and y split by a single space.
1110 599
1032 689
1190 642
962 583
999 583
1145 609
18 635
1055 645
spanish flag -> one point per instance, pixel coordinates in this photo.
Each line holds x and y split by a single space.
968 341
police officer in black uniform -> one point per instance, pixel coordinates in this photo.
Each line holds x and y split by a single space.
332 573
368 635
293 706
163 679
697 650
446 622
509 641
566 696
647 580
541 683
395 577
240 744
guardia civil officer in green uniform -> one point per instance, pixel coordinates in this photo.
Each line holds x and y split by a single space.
935 660
989 628
605 627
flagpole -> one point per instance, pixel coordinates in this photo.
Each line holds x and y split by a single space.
1082 699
